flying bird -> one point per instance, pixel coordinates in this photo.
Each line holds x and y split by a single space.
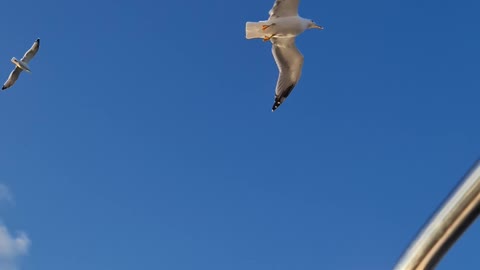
21 65
281 28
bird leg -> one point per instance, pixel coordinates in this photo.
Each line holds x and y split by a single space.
265 27
267 38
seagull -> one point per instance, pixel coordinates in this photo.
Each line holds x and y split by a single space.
21 65
280 29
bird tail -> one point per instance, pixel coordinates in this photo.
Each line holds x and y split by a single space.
253 30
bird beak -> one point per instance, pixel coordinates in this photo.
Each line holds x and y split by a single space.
317 27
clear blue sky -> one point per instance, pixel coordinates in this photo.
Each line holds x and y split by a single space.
143 138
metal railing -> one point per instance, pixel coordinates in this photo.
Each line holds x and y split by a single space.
445 227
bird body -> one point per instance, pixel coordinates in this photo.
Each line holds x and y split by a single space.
280 29
20 64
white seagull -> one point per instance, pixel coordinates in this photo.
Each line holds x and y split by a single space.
21 65
281 29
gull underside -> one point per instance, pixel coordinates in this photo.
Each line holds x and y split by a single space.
280 29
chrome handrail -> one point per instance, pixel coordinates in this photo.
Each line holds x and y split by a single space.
447 225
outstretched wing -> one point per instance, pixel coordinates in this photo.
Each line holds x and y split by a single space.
284 8
12 78
31 53
290 62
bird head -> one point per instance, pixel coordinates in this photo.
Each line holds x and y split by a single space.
313 25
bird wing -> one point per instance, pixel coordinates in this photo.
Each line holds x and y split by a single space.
289 61
12 78
284 8
31 52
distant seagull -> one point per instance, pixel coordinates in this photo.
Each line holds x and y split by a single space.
281 29
21 65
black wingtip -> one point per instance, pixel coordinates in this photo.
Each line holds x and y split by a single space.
276 104
280 99
3 87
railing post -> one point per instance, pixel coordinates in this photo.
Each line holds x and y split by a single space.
445 227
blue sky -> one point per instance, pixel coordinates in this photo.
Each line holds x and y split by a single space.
143 138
